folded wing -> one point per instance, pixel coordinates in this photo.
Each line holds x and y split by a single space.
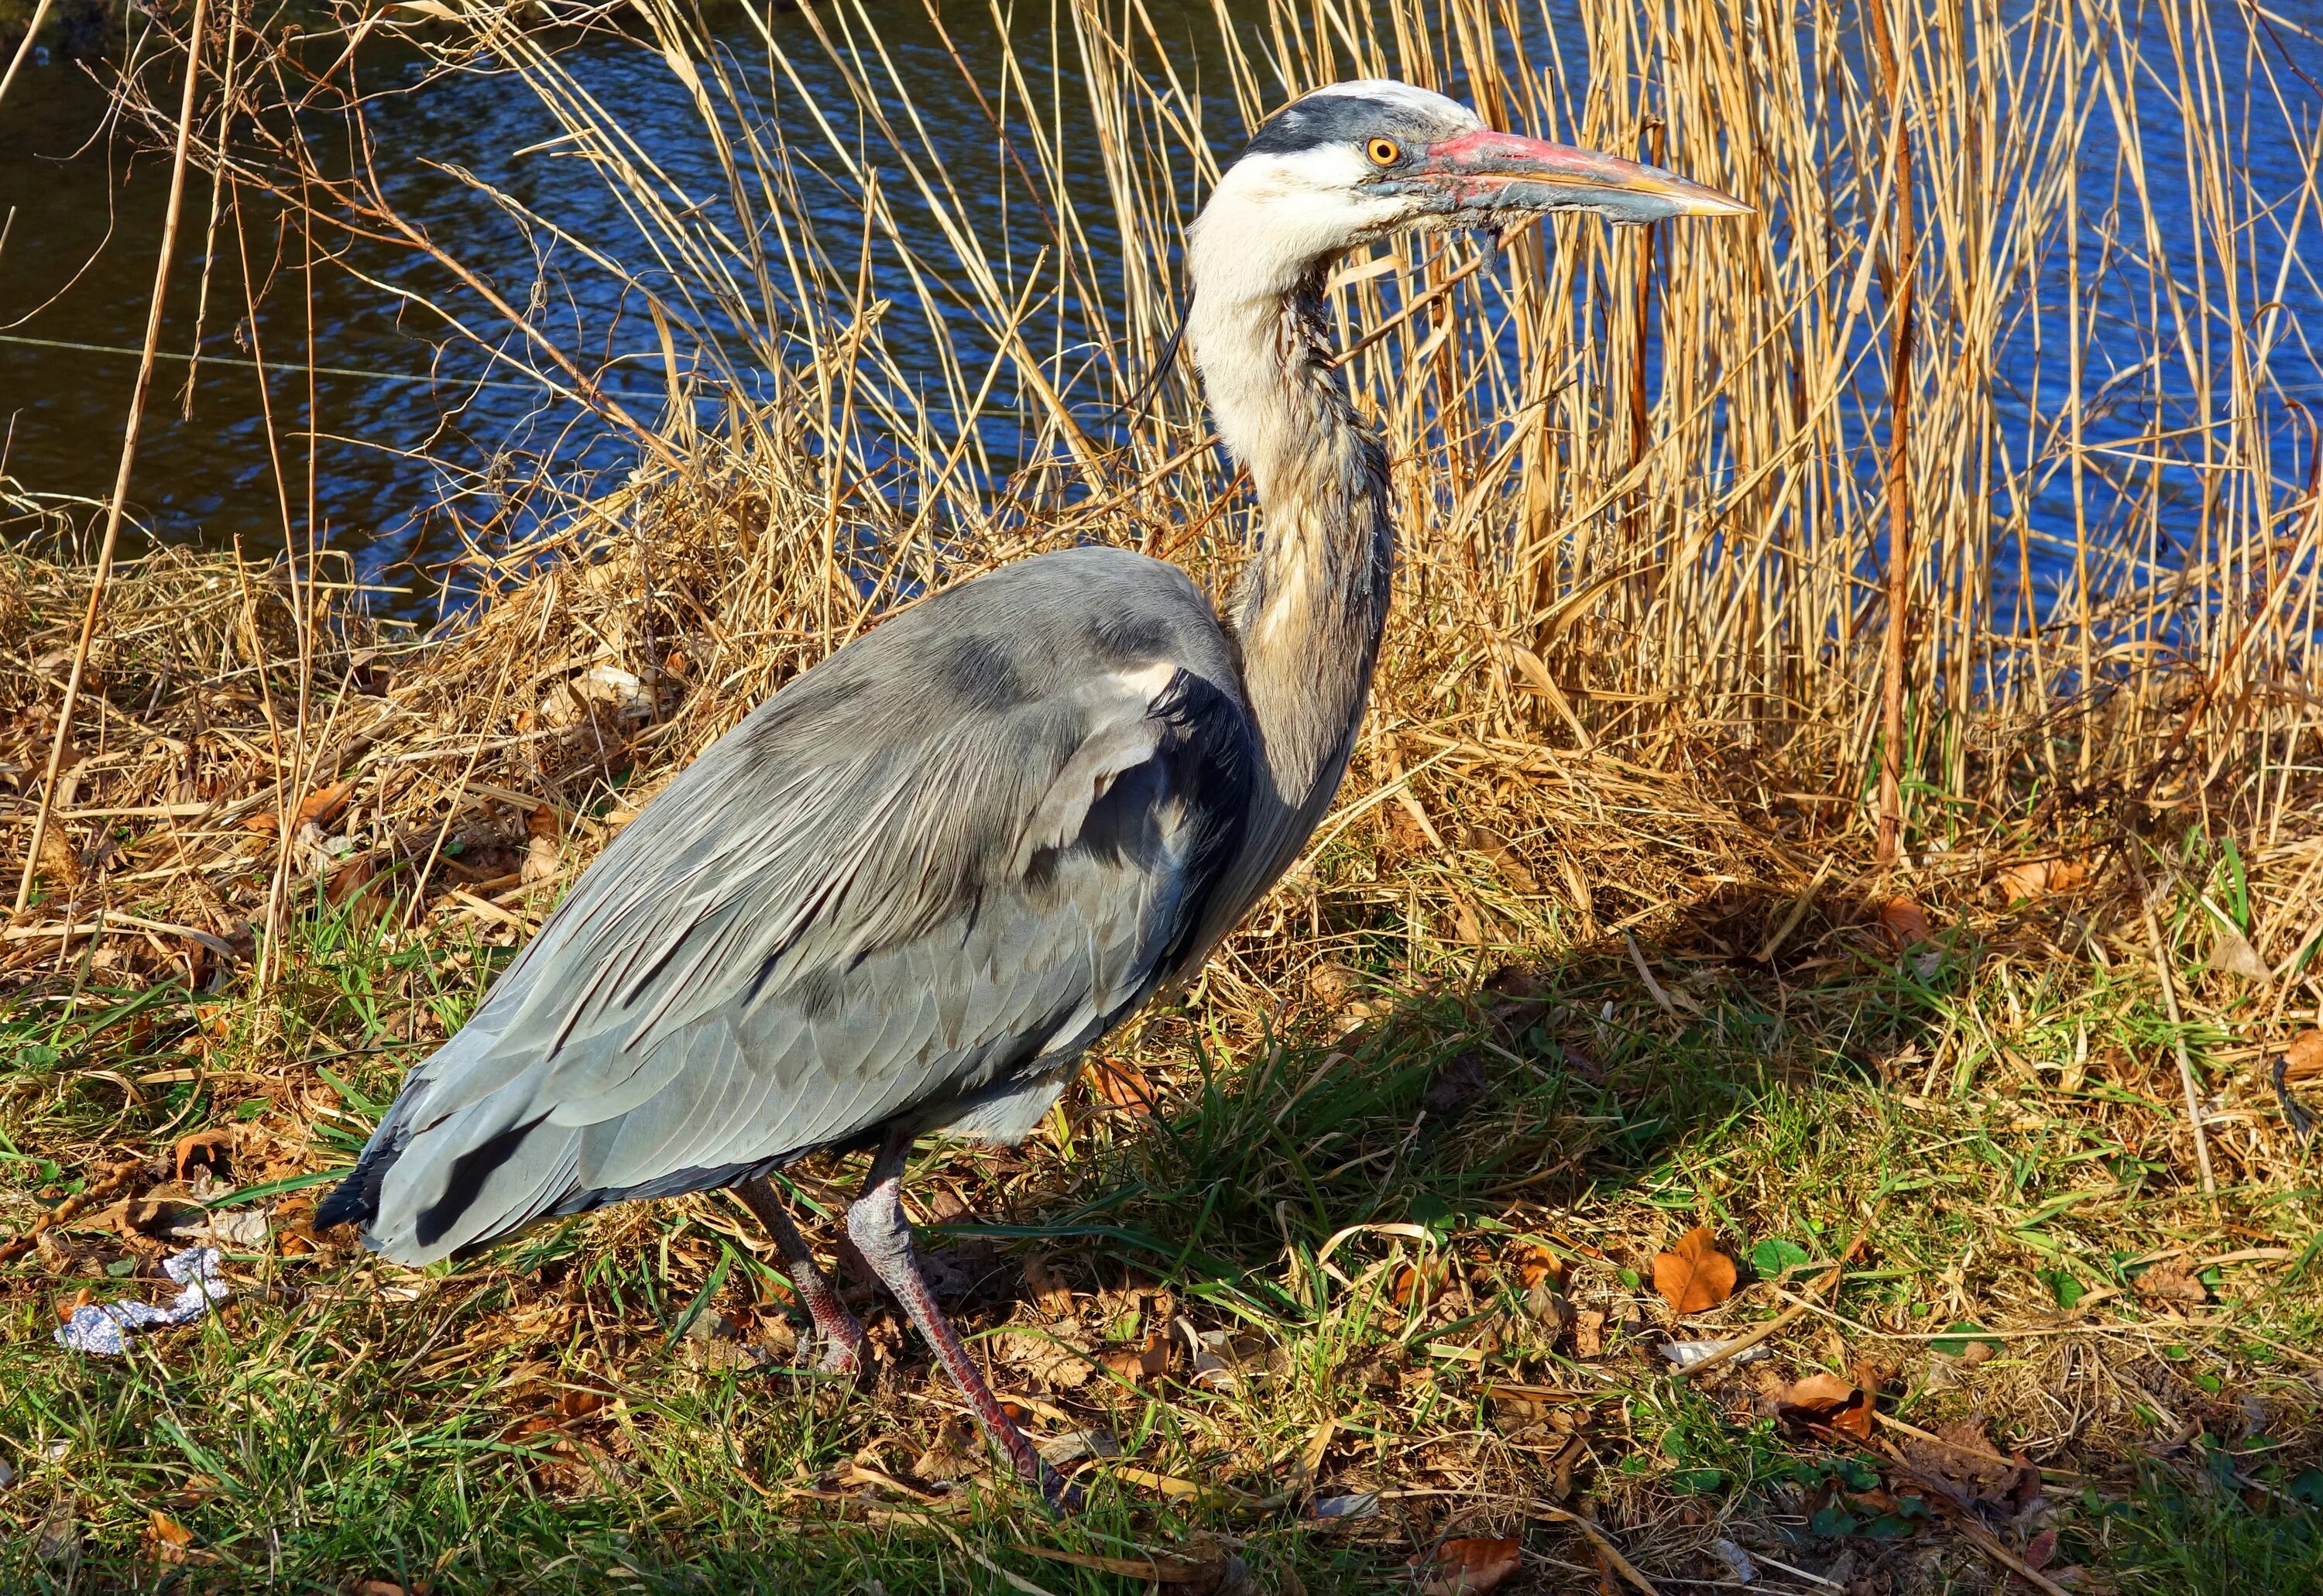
908 890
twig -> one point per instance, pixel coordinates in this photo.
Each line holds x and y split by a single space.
113 511
1598 1539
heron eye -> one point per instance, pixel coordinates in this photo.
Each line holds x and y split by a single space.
1383 152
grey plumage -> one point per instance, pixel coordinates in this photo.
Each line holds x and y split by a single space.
910 889
891 896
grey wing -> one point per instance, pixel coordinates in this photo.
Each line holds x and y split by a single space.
934 869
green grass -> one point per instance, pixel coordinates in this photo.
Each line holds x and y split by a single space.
345 1420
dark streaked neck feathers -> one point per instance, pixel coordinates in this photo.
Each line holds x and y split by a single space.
1309 611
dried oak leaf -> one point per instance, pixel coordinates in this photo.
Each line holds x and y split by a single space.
1961 1457
1826 1402
1469 1565
1589 1333
2172 1280
1694 1276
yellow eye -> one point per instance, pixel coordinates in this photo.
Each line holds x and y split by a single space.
1383 152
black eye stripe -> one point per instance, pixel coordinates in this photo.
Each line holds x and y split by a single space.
1343 119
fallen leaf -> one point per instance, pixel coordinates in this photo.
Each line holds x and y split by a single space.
1569 1457
1051 1294
1695 1276
1122 1084
57 1538
1589 1333
318 808
1412 1278
1961 1457
2231 954
1073 1446
1496 848
1906 923
1536 1265
1826 1402
2304 1057
2172 1280
171 1538
543 862
2035 879
1454 1084
1134 1365
203 1147
1469 1565
380 1588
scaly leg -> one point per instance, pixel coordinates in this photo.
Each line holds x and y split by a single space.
880 1230
842 1336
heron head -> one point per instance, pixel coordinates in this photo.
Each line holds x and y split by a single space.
1355 161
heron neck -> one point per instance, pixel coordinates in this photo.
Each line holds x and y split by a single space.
1310 605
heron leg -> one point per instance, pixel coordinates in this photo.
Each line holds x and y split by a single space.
842 1336
883 1235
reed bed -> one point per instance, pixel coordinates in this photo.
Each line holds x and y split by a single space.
1603 938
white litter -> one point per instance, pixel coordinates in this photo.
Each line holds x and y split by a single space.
104 1330
1686 1354
1738 1561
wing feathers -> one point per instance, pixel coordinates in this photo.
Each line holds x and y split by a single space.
884 892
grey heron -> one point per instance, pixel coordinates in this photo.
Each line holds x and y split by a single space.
908 891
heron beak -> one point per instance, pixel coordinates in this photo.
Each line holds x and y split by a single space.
1482 173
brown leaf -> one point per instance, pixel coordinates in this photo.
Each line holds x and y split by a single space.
318 808
1961 1457
2035 879
1469 1565
2172 1280
1122 1084
171 1538
356 881
1051 1294
380 1588
1826 1401
1695 1276
1589 1333
209 1148
1569 1457
1412 1279
2231 954
2303 1058
1134 1364
1906 923
1536 1265
1454 1084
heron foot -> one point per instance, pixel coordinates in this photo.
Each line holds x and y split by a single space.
838 1334
877 1227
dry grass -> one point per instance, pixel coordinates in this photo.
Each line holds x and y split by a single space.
1596 947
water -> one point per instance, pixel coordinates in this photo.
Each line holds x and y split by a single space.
403 420
84 204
